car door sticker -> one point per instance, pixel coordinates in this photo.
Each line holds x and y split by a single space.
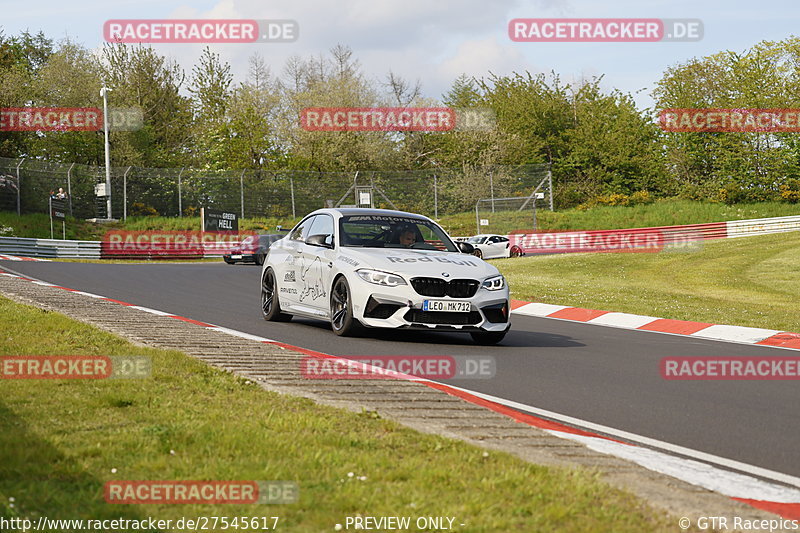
311 275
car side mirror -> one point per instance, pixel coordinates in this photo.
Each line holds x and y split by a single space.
323 240
465 247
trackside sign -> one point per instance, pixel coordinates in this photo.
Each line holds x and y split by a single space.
219 220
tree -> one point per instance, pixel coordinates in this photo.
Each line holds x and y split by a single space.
139 77
748 165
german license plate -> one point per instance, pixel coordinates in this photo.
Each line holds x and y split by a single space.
236 256
445 305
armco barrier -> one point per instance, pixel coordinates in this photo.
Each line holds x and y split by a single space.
53 248
664 236
49 248
759 226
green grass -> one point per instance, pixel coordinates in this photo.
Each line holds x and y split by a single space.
60 440
37 225
747 281
665 212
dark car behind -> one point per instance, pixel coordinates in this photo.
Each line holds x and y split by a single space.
251 250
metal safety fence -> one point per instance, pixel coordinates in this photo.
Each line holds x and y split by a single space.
25 185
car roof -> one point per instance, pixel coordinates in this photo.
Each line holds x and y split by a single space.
348 211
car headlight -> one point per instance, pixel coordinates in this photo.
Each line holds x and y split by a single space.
494 283
380 278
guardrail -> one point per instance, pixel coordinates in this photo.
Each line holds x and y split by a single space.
759 226
54 248
50 248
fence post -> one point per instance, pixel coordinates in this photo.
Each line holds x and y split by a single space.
125 193
241 190
291 187
180 198
19 187
69 187
477 219
491 187
550 186
435 198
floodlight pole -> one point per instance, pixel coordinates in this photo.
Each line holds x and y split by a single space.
103 93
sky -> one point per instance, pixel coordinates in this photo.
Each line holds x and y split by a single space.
434 41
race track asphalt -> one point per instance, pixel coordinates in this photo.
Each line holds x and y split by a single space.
604 375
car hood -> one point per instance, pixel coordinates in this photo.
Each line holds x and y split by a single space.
409 262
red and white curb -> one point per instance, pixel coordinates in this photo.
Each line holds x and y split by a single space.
691 466
703 330
6 257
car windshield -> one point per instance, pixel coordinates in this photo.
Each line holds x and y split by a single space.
388 231
476 240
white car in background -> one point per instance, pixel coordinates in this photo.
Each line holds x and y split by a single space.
383 269
491 246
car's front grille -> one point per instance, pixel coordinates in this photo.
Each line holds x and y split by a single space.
435 287
443 317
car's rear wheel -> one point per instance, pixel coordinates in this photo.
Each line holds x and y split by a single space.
487 338
270 305
477 253
516 251
229 261
343 322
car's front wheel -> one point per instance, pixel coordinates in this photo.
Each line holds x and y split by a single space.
259 259
487 338
270 305
343 322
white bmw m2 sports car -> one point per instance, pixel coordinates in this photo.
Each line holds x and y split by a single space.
382 269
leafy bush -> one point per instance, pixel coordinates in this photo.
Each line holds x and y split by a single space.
708 191
140 210
790 191
733 193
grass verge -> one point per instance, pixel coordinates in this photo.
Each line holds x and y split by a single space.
665 212
60 440
747 281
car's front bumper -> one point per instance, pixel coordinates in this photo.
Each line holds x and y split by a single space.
402 307
239 257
